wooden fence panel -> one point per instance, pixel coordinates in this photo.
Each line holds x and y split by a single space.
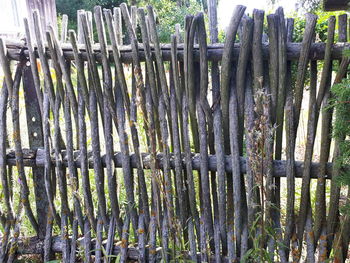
179 151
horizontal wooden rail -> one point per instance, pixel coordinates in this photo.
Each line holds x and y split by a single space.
34 245
37 158
215 51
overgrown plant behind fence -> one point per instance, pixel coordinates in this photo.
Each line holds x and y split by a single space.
177 151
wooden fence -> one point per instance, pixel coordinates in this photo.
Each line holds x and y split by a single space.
180 156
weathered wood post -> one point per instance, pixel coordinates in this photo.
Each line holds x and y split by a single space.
35 136
47 11
220 220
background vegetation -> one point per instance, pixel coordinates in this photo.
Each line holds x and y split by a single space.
169 12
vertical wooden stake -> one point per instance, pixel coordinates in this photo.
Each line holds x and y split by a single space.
35 136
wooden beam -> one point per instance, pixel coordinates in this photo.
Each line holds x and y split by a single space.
37 158
215 51
33 245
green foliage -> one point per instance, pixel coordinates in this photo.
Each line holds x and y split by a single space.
320 34
221 36
258 252
169 13
341 130
341 103
70 7
321 26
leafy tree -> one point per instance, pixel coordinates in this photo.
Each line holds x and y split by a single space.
310 5
169 12
70 7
